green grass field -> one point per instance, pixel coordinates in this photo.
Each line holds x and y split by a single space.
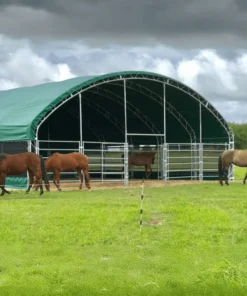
239 173
193 242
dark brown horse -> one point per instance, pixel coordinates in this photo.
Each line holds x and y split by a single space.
226 159
17 164
58 163
142 159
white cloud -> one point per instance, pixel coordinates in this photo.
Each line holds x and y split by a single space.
220 80
21 66
7 84
164 66
207 64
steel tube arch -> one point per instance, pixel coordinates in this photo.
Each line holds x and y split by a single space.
160 100
111 95
150 77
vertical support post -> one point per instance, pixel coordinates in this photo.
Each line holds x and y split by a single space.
29 146
37 146
102 163
80 115
231 147
200 145
83 147
164 154
194 167
158 163
126 152
29 149
48 131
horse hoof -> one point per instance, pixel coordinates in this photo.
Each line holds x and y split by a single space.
27 192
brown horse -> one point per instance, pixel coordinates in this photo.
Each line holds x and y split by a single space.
17 164
142 159
58 163
226 159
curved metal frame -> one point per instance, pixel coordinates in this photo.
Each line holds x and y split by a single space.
130 107
91 126
150 77
94 130
147 92
104 112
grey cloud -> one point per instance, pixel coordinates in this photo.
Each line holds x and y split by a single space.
184 23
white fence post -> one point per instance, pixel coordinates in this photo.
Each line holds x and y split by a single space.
37 147
126 164
165 162
201 161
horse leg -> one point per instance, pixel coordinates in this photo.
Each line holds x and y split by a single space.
245 178
150 171
226 176
41 187
146 171
87 179
30 175
80 177
2 184
56 179
38 180
220 180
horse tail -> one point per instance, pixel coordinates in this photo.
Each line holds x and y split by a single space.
220 169
44 172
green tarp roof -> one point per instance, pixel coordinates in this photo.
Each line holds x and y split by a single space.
23 108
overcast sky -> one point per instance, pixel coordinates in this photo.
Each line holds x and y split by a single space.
201 43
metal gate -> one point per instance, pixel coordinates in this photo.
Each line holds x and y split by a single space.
106 161
188 161
191 161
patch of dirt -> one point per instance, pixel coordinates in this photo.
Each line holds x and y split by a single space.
132 184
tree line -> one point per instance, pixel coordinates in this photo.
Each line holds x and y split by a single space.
240 133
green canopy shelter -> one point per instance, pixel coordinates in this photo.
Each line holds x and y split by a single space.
131 107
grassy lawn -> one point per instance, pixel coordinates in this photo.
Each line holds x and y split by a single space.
239 173
193 242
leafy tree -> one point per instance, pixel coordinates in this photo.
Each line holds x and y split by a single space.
240 133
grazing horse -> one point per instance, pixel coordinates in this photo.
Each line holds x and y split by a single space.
140 159
226 159
17 164
58 163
